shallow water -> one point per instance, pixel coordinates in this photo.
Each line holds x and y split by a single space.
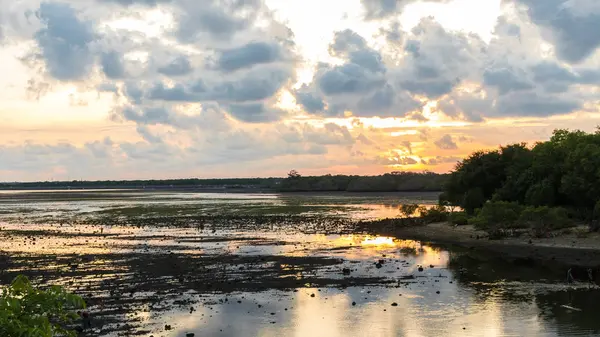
436 291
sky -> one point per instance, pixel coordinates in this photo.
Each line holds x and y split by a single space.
140 89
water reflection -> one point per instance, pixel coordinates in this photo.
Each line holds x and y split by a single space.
419 312
438 291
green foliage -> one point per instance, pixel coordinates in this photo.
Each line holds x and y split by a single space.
499 214
408 209
473 200
26 311
500 217
433 214
458 218
544 219
596 215
561 172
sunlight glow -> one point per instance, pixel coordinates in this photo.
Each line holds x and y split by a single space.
378 241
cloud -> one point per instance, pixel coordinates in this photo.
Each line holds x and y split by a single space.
255 112
249 55
394 160
437 60
437 160
112 65
64 42
516 81
361 84
446 143
147 135
571 26
217 19
380 9
179 66
505 80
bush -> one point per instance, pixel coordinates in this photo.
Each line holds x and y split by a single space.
458 218
544 219
596 215
497 215
473 200
408 209
26 311
433 214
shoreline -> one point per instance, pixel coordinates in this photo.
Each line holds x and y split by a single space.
566 250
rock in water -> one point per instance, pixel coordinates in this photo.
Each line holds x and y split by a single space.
189 334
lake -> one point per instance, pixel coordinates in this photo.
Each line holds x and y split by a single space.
233 264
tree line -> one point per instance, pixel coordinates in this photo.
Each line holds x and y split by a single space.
389 182
550 181
395 181
175 183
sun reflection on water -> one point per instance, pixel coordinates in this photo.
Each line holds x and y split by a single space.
379 241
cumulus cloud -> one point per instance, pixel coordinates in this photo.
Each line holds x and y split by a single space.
64 41
380 9
249 55
207 82
571 26
361 84
446 143
437 160
179 66
395 160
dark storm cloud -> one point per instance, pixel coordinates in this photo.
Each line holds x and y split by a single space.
64 42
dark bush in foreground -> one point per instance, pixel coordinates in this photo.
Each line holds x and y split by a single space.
458 218
500 214
503 218
408 210
543 220
433 214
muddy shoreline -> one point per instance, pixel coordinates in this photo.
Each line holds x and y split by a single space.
568 251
